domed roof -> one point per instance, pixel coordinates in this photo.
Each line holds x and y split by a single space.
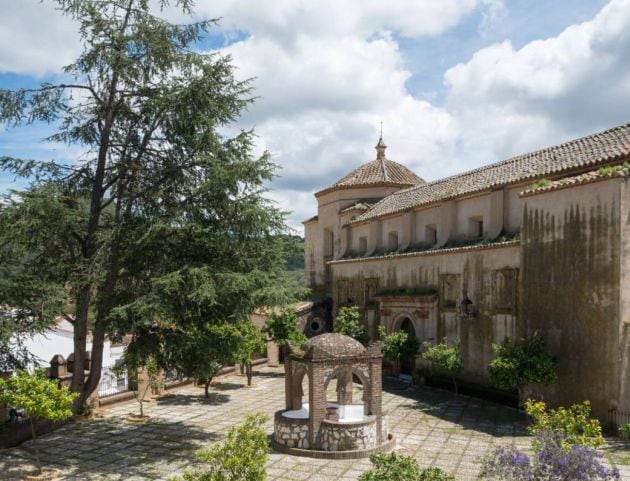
378 172
332 345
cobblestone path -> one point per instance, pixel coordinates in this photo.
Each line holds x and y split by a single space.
437 432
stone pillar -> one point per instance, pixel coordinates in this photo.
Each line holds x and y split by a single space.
273 354
344 386
375 400
58 367
70 362
317 403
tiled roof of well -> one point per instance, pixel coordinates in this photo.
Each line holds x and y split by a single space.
603 147
379 171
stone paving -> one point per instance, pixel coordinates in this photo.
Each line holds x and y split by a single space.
426 423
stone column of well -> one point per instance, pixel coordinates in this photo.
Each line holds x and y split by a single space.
344 385
317 402
376 393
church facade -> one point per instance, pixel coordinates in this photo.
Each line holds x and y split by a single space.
535 243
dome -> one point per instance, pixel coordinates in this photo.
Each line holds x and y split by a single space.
332 345
378 172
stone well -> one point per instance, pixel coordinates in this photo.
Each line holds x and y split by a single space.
336 430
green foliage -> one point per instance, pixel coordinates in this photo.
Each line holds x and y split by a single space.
398 467
624 430
240 457
397 345
252 342
523 361
574 423
348 322
196 350
613 169
282 327
444 356
40 397
163 226
539 184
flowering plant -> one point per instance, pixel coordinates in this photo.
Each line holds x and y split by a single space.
553 461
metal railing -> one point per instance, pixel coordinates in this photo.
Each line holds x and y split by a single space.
113 381
616 419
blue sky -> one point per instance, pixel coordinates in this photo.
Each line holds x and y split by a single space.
458 83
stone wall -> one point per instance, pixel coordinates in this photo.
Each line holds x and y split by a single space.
335 436
292 433
570 289
486 274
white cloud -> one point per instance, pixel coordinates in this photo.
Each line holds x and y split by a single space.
35 39
285 20
328 71
509 101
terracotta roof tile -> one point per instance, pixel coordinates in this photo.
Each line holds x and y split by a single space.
603 147
379 171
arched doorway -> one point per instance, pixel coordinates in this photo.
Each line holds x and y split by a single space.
407 365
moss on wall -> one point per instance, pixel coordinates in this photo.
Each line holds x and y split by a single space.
570 292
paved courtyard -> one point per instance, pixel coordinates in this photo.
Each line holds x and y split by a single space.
426 425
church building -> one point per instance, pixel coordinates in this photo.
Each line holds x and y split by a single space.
535 243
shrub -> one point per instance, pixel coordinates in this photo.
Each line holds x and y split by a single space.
397 345
40 397
398 467
242 456
540 184
348 322
446 358
574 423
282 327
520 362
553 461
624 430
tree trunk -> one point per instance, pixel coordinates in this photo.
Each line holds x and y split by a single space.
396 367
38 462
242 368
79 341
96 367
249 372
90 241
206 387
455 386
141 408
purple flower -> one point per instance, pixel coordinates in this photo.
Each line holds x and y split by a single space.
552 462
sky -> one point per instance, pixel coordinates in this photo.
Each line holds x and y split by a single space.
457 83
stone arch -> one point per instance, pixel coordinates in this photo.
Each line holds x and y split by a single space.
365 379
406 322
345 397
400 319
